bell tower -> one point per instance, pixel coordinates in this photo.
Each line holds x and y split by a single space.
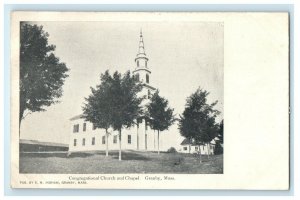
142 71
142 74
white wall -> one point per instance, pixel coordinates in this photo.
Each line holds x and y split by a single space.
168 138
195 149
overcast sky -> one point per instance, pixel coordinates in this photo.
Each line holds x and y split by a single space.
182 57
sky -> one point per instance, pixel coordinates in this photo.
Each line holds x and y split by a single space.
183 56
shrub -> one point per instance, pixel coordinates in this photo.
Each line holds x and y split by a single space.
172 150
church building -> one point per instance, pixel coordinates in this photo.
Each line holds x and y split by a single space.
85 137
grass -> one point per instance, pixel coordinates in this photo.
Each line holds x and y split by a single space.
132 162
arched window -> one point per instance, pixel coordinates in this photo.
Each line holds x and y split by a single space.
147 78
146 63
138 63
149 94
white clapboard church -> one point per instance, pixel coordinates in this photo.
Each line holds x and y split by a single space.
85 137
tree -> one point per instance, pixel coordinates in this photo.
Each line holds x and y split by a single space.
160 116
197 122
125 104
219 147
41 72
98 107
221 132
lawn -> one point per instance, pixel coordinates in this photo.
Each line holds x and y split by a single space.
133 162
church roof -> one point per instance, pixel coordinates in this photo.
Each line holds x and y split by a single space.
148 86
76 117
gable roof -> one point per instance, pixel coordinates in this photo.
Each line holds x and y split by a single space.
77 117
185 142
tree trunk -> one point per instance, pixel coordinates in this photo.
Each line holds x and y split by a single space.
200 154
146 136
20 129
20 119
208 151
106 134
154 139
120 151
189 145
157 141
137 136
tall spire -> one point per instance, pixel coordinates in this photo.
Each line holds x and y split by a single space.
141 45
141 55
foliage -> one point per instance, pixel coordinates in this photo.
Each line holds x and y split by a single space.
221 132
98 106
159 115
41 72
218 148
197 122
171 150
114 103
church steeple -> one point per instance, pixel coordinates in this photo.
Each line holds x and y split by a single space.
141 55
142 71
141 45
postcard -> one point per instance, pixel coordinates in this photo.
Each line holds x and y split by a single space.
150 100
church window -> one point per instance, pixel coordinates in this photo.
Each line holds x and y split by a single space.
75 142
115 139
103 139
94 126
149 94
76 128
129 139
137 77
93 141
84 126
138 63
147 78
83 142
145 63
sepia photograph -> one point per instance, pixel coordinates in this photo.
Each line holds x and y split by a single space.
134 97
149 100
